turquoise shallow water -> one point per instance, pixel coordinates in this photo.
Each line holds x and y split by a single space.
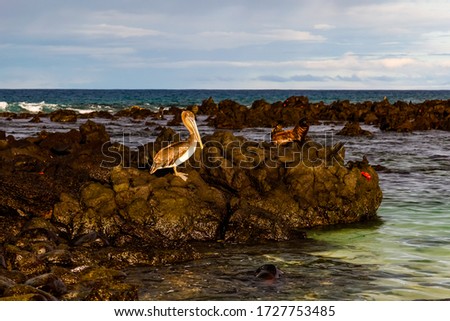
403 256
413 239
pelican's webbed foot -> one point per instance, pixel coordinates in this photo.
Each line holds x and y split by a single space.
183 176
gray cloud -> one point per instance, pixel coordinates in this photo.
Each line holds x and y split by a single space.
226 44
309 78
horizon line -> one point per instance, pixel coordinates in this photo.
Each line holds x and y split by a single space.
235 89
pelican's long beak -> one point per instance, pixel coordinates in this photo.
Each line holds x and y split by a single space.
197 135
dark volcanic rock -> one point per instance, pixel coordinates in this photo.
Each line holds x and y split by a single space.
3 141
208 107
135 112
296 101
24 261
68 209
230 115
93 133
400 116
354 129
5 283
176 120
98 114
63 116
112 292
237 190
22 292
273 196
48 282
60 143
35 119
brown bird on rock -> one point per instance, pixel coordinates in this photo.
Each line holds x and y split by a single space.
177 153
297 134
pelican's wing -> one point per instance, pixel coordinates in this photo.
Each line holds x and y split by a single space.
301 132
167 156
282 137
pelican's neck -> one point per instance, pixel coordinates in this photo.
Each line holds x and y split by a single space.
192 137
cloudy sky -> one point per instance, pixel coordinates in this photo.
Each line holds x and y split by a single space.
286 44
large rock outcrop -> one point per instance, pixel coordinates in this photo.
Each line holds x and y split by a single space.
399 116
74 204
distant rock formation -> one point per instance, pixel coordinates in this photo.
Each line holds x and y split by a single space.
400 116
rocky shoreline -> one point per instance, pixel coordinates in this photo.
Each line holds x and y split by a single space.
399 116
76 209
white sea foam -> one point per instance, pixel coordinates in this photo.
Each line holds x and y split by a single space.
32 107
93 108
37 107
82 111
3 105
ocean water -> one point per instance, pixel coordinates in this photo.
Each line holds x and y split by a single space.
405 255
47 100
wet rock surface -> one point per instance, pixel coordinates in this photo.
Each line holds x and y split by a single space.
354 129
63 116
72 216
75 212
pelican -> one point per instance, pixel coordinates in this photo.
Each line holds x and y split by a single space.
177 153
298 133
